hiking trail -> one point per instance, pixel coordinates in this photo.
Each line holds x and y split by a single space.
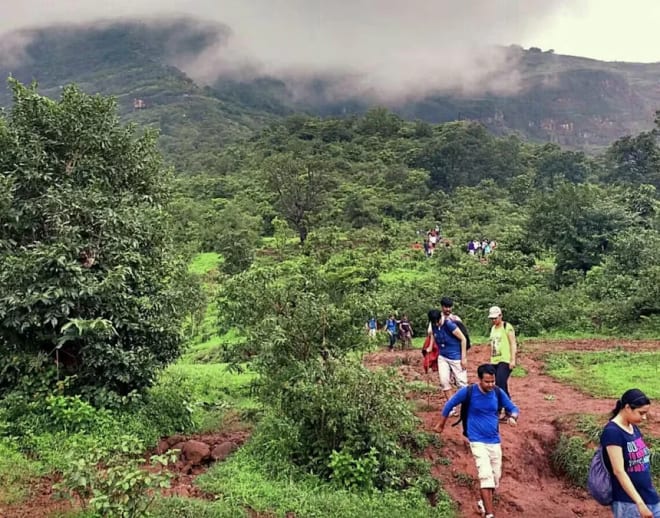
529 487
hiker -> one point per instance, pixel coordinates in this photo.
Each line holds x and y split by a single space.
392 326
503 348
628 458
481 426
372 327
405 333
452 347
447 306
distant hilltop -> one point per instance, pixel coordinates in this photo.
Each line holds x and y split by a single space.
576 102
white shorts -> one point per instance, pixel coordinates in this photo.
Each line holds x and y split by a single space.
488 458
451 370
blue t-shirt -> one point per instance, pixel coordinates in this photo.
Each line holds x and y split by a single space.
448 345
372 323
391 325
483 419
636 461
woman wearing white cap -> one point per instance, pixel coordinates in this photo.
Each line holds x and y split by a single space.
503 348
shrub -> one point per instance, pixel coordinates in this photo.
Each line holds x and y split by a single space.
116 484
90 277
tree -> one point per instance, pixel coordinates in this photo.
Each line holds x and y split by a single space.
90 280
634 160
577 222
237 237
300 188
554 165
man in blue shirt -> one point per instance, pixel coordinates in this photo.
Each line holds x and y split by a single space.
372 327
452 346
482 429
392 327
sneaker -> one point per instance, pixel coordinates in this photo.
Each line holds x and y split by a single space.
480 506
490 516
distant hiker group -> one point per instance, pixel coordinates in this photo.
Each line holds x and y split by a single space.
481 247
400 330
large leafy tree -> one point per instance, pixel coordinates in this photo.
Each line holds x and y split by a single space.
300 188
634 160
577 222
90 283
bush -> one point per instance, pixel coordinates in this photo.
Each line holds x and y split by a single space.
332 418
90 277
115 484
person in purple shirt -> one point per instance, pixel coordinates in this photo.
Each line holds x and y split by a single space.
482 430
628 458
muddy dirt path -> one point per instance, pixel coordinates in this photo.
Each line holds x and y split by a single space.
529 487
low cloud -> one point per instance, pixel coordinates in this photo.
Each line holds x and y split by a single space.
387 49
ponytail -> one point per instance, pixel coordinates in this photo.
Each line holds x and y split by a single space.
617 408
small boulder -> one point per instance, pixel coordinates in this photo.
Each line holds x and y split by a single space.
196 452
223 450
163 446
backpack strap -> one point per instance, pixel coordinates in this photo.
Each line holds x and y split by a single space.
500 398
465 406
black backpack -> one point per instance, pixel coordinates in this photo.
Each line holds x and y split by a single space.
465 406
464 330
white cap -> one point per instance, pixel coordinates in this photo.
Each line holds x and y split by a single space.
494 312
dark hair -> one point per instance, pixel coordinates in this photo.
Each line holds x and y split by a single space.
434 315
634 398
486 368
446 302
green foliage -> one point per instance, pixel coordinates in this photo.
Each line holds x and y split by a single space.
354 474
16 474
607 373
204 263
299 187
571 458
578 223
194 508
241 480
117 484
634 160
87 244
237 238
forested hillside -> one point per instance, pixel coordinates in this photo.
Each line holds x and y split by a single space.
578 102
305 228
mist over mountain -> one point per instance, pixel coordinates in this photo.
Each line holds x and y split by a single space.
192 77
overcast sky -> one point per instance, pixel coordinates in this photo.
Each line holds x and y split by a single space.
402 42
603 29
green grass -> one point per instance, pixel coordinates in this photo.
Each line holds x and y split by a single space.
204 262
16 474
607 373
194 508
215 382
240 482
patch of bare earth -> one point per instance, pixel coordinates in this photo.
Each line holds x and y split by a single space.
529 487
198 453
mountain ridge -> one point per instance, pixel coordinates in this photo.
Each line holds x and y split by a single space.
577 102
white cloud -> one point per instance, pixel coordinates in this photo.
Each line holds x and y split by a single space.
391 47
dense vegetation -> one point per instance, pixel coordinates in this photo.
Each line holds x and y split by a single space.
309 228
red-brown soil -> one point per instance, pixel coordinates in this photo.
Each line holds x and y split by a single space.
529 487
